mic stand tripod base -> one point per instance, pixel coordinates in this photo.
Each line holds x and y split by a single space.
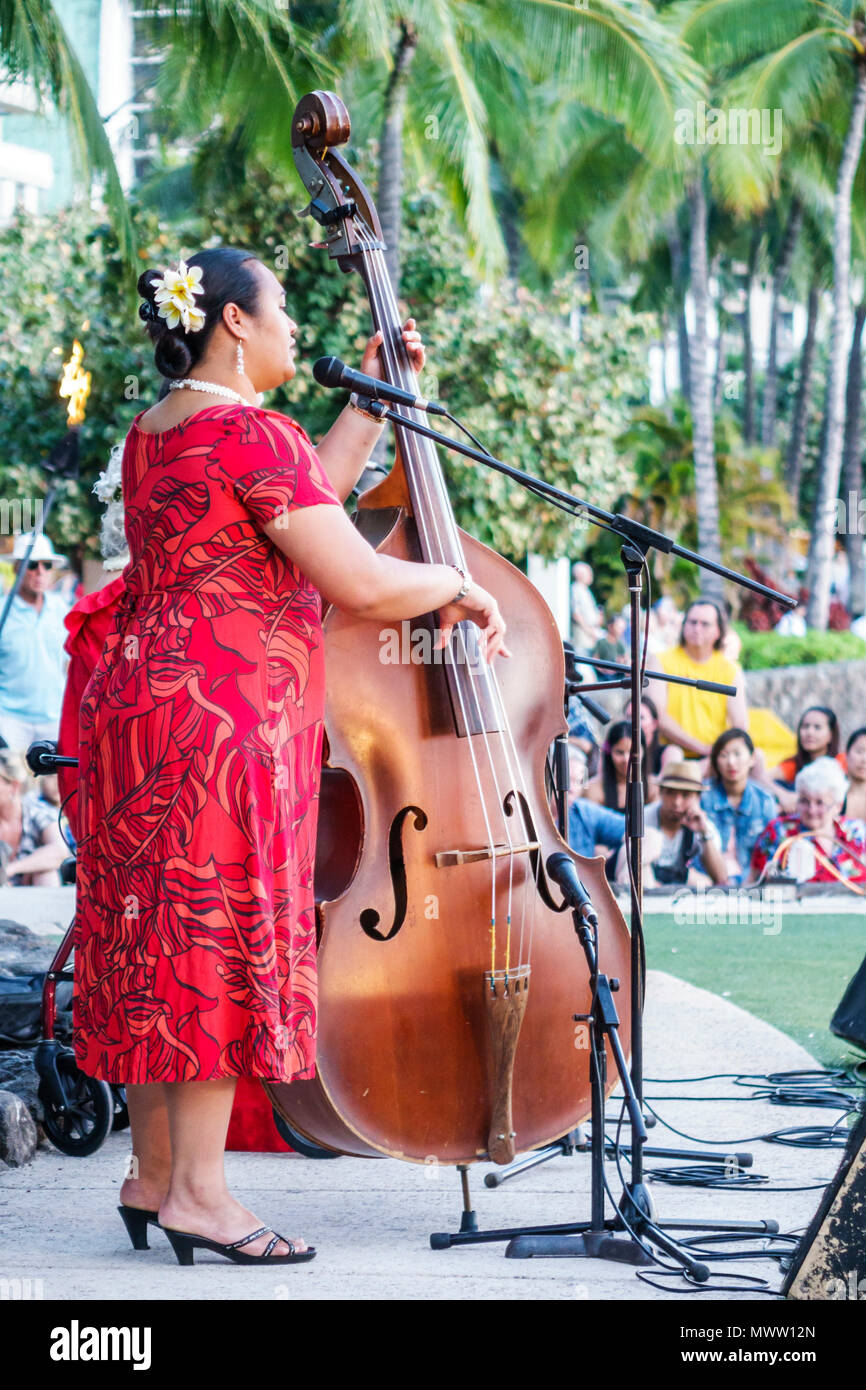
595 1240
593 1245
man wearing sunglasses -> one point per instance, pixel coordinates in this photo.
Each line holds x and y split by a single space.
32 660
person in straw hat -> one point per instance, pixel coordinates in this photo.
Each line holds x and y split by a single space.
681 844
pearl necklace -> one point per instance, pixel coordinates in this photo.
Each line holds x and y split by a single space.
211 387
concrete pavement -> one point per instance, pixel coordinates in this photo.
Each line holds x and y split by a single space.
370 1219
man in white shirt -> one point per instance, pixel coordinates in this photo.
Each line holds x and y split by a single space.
32 660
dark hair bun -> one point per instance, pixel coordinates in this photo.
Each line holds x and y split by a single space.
171 356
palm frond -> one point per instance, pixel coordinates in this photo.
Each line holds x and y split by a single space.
616 57
462 125
791 86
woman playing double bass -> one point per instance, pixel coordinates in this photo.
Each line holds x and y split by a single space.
200 740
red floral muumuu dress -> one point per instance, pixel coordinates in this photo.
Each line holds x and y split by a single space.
200 737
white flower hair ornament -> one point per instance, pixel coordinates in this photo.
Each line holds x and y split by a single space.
112 538
174 298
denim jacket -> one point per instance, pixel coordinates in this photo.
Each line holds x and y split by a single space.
756 810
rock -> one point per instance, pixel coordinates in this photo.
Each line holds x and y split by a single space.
22 952
18 1074
788 690
25 958
18 1136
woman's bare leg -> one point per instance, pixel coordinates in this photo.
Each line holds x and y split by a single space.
198 1199
150 1169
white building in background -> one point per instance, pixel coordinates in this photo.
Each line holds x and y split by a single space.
38 169
26 174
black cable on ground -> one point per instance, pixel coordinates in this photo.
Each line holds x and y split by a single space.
754 1282
709 1175
748 1283
803 1136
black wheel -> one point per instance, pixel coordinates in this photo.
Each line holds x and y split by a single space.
298 1142
81 1125
121 1112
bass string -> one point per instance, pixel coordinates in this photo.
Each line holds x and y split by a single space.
378 280
392 362
406 378
512 761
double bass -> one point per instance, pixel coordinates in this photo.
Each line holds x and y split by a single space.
449 970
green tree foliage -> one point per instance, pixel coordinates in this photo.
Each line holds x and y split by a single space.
757 509
509 365
63 279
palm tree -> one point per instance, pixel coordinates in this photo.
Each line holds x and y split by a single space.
807 59
852 467
748 350
823 529
706 477
510 78
781 272
797 440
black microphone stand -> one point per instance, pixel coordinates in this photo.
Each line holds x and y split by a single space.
635 1214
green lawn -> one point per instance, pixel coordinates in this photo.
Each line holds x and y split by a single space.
794 979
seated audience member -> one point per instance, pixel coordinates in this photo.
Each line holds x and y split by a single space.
589 825
608 788
585 613
815 844
611 646
31 846
855 752
668 622
581 733
649 722
792 623
681 844
738 807
817 737
692 719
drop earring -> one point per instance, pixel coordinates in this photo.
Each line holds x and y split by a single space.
240 357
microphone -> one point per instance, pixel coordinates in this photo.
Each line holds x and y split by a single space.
330 371
42 757
562 871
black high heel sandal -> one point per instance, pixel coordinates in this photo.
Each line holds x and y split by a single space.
136 1221
183 1243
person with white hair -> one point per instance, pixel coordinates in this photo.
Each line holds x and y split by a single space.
815 843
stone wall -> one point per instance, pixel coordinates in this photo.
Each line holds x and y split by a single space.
788 690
